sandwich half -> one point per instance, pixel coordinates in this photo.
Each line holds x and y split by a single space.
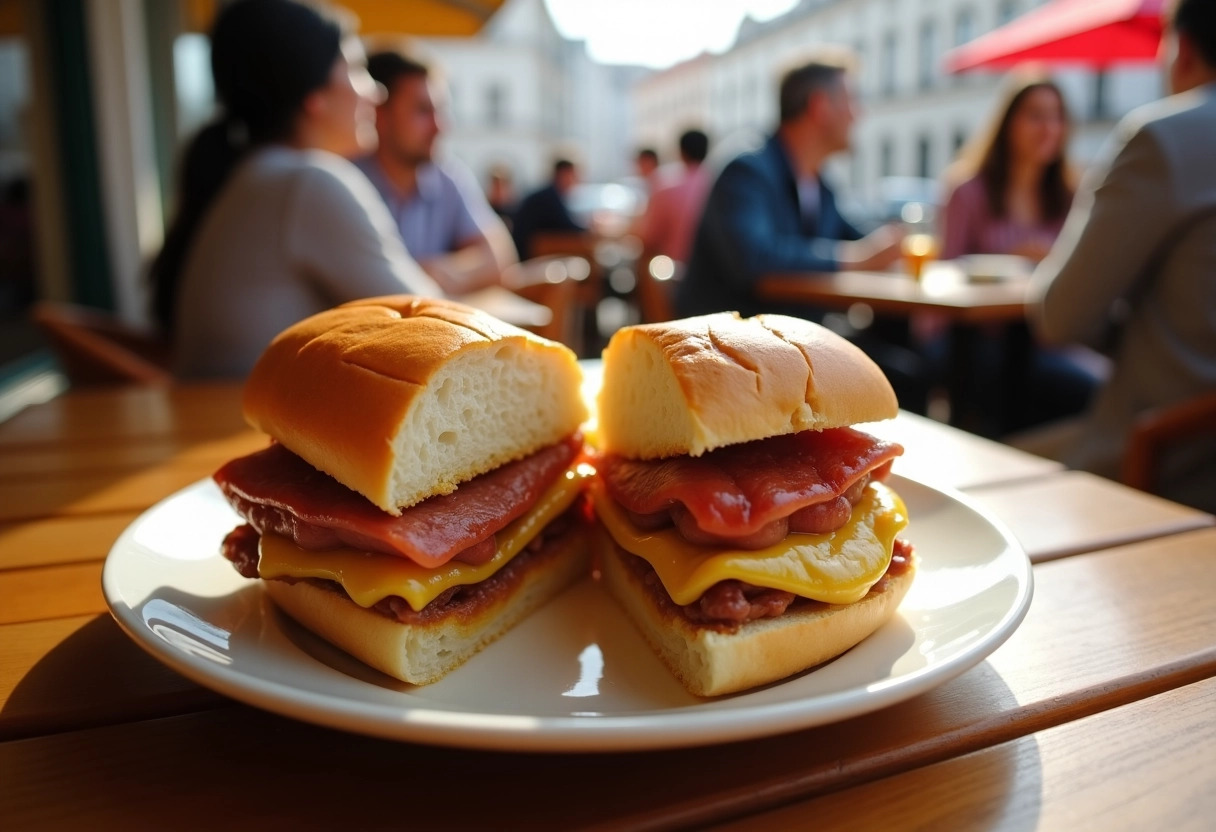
423 490
745 525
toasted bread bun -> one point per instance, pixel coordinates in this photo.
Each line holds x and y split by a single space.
401 398
692 385
423 652
709 662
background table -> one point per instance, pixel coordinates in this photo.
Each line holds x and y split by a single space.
1118 642
946 292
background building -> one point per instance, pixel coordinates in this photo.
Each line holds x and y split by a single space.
914 116
521 95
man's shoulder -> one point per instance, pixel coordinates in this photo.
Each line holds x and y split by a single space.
1193 109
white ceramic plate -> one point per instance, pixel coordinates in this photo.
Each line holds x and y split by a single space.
575 676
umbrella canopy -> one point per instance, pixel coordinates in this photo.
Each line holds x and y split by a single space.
437 18
1092 33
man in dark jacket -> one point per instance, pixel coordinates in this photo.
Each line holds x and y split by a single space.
770 210
545 210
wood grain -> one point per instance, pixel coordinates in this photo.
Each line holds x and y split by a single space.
76 458
71 673
1076 654
74 495
1102 772
1073 511
106 414
941 456
45 592
59 540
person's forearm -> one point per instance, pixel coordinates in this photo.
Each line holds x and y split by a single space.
465 270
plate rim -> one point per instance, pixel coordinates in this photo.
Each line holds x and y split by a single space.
683 726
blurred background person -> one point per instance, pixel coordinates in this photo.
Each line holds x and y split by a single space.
1010 191
546 209
1135 268
1011 187
500 193
646 163
674 209
273 223
771 211
445 221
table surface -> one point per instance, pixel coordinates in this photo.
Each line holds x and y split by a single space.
1099 710
944 289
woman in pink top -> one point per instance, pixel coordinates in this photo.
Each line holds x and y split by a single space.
1014 188
1015 185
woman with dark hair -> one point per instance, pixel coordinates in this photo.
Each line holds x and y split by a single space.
1012 189
1013 183
274 224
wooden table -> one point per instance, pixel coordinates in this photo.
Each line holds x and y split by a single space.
944 291
1099 710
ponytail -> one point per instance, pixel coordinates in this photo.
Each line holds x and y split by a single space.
266 57
210 158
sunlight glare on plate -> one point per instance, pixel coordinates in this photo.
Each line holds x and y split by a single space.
189 534
591 670
186 631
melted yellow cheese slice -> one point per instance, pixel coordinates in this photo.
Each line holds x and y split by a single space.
369 577
838 567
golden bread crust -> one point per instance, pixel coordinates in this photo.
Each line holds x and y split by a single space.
692 385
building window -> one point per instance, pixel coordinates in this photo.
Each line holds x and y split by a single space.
1006 11
887 68
928 54
964 26
886 158
960 139
496 112
924 157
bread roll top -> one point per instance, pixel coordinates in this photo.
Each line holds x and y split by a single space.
692 385
400 398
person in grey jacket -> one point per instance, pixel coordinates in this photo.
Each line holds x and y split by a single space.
1134 269
274 223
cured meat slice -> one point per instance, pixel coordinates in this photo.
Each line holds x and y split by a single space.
737 491
276 491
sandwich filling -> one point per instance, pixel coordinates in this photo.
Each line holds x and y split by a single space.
799 516
509 511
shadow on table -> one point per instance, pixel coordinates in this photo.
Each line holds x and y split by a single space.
225 759
97 676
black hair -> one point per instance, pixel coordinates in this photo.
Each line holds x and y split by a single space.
562 165
388 65
266 57
694 145
1197 20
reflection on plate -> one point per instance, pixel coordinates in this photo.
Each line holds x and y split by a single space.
575 676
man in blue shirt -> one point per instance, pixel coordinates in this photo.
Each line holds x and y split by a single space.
444 219
770 210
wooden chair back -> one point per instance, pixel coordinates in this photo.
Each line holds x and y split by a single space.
554 281
657 276
1162 429
94 347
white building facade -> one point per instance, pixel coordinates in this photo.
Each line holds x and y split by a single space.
914 116
522 95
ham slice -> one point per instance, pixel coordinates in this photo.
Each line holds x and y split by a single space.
743 492
276 491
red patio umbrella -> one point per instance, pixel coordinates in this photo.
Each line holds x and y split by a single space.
1092 33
